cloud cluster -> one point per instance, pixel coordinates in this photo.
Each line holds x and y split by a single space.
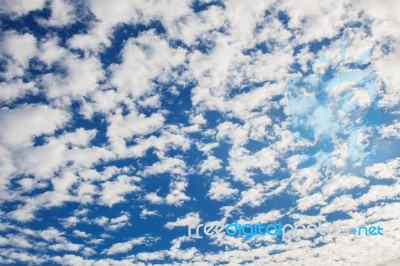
124 122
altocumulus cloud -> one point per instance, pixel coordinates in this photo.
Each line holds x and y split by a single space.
123 123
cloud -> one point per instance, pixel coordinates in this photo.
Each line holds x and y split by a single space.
221 190
113 224
62 14
124 247
388 170
154 59
338 183
391 131
113 191
191 219
19 8
176 195
17 49
21 125
173 166
10 91
210 164
132 125
81 76
119 116
153 198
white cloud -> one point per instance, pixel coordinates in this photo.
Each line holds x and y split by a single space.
114 191
124 247
20 125
388 170
79 233
391 131
306 180
210 164
62 14
190 219
146 213
63 183
50 51
253 197
65 247
308 201
316 20
132 125
385 69
112 224
172 166
221 190
380 193
20 7
17 49
176 195
154 58
153 198
215 51
343 203
10 91
338 183
81 77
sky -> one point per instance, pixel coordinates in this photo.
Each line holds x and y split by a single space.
123 123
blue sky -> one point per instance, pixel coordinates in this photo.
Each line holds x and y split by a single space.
123 123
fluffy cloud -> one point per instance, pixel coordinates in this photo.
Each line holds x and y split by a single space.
62 14
191 219
18 8
154 58
21 125
17 49
117 118
221 189
113 191
124 247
